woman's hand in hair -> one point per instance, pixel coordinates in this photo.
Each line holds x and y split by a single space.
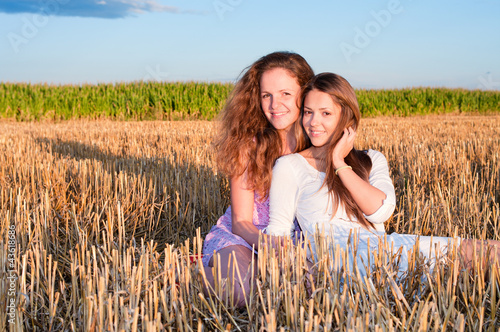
368 197
343 147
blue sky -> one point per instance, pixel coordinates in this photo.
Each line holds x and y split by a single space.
374 44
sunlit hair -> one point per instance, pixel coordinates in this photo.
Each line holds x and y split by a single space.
342 94
246 140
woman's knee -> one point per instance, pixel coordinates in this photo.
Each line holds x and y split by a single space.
234 264
229 255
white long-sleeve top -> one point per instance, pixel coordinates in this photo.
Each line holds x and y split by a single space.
297 192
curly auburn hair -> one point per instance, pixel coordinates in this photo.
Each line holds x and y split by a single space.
342 94
246 140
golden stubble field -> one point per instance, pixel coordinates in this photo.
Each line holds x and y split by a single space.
97 220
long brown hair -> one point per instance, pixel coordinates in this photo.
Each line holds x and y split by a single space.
246 140
342 94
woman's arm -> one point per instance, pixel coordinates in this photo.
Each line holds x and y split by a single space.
368 197
381 179
242 201
283 198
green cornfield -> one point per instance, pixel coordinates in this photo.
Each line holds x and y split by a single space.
203 101
127 101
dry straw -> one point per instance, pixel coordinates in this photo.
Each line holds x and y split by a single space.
106 214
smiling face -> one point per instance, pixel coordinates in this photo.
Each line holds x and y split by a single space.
278 98
321 116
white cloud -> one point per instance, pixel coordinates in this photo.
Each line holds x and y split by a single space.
89 8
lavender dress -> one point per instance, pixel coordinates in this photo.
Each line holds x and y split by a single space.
221 235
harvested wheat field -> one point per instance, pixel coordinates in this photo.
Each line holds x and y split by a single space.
98 218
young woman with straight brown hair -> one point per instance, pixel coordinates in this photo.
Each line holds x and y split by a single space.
333 188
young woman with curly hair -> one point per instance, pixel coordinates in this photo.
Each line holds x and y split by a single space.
257 126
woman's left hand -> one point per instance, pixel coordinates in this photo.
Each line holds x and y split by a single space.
343 147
